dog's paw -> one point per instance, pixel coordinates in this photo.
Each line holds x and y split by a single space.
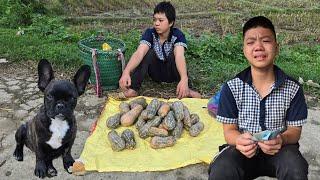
68 165
51 172
18 154
40 170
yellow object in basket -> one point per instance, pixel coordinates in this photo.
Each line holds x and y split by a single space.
106 47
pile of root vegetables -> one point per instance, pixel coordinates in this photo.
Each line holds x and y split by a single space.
163 122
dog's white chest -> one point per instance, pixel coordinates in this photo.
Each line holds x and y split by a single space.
59 128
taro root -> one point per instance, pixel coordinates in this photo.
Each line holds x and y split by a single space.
117 143
196 129
124 107
164 109
78 168
144 114
162 142
129 118
194 119
154 131
129 140
141 100
155 121
177 131
152 108
140 123
186 118
144 130
114 121
177 107
169 122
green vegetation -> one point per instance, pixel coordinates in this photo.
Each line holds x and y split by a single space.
53 28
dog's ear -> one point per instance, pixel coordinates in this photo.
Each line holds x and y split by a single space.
81 78
45 74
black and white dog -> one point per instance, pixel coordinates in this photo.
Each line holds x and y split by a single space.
52 131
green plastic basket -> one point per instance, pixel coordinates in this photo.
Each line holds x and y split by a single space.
109 65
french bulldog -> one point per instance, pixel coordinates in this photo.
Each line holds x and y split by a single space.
51 133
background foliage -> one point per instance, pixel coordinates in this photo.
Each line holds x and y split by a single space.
51 29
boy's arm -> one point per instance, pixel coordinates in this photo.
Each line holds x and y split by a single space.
242 142
291 135
230 132
182 87
135 60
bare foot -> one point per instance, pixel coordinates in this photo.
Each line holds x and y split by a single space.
194 94
130 93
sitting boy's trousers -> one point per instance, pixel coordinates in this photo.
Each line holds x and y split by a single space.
287 164
159 71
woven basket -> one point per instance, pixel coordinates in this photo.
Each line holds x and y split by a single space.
109 65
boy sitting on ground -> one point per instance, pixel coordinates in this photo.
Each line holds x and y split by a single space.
262 97
160 54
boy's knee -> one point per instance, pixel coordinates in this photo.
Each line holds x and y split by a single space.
297 172
225 166
293 165
224 170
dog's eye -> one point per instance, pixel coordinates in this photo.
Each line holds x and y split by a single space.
49 96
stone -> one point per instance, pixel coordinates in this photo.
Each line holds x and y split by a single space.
12 82
9 124
35 103
85 125
5 97
32 85
19 114
3 60
92 100
13 88
25 107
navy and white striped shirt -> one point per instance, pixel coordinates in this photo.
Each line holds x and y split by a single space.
152 39
241 104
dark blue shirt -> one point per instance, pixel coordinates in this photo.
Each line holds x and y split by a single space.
152 39
241 104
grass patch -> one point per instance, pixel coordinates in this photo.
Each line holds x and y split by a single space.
212 58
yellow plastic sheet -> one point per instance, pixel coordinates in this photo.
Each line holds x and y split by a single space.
97 154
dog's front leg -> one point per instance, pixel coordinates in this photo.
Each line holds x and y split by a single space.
68 160
51 170
41 167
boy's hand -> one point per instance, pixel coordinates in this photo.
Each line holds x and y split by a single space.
271 147
182 89
245 145
125 81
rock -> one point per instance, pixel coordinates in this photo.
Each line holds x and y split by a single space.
8 173
19 114
25 107
13 88
85 125
29 90
312 84
8 124
301 80
32 85
30 79
92 100
12 82
35 103
5 97
2 60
